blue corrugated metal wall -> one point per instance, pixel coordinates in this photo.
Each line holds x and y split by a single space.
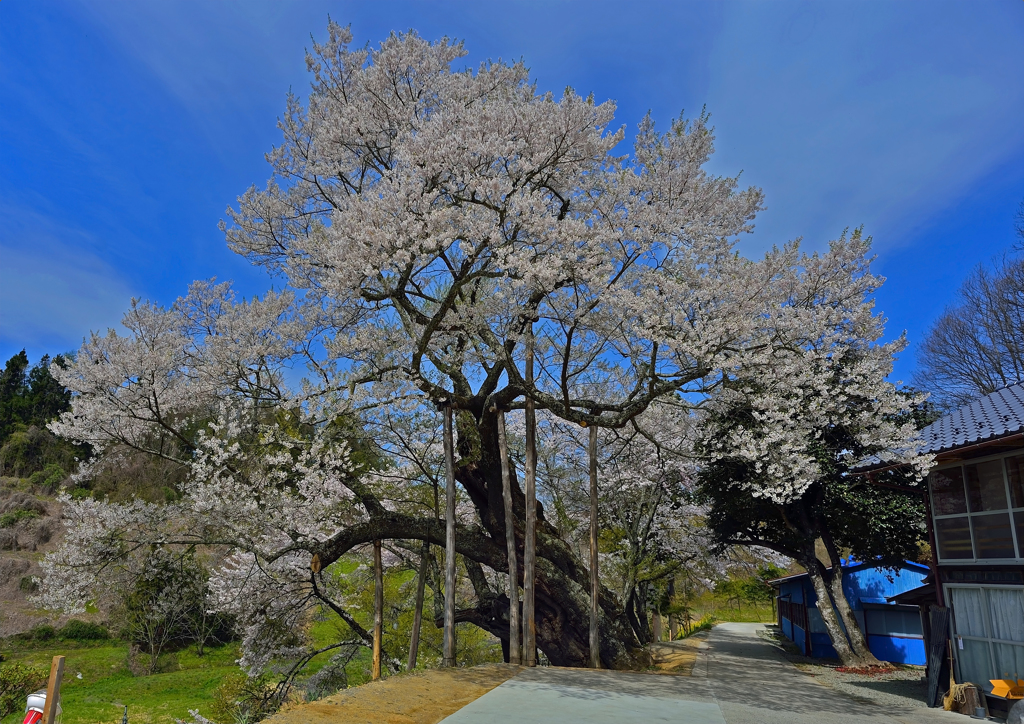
891 638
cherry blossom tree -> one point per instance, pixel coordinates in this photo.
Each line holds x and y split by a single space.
785 432
424 221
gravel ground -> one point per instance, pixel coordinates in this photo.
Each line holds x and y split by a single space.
904 688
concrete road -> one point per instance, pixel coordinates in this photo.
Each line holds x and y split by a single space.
738 679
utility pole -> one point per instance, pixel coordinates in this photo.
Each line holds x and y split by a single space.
449 574
595 581
530 545
514 647
378 607
414 640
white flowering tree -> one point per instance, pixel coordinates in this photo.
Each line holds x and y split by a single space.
423 220
784 434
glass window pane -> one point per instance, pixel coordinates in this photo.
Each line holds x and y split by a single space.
1018 519
985 487
1006 606
969 611
992 536
1015 472
975 665
948 491
954 538
1009 661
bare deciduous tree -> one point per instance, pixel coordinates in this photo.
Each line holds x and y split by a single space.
977 345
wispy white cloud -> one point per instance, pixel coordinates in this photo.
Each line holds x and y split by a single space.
873 113
53 290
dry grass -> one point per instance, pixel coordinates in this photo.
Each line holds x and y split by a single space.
422 697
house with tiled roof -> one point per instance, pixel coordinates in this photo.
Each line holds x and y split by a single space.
976 524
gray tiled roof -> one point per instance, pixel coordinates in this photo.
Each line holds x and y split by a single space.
992 416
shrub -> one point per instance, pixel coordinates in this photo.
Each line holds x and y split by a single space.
43 632
17 681
83 631
241 700
11 517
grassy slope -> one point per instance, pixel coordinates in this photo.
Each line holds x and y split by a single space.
107 685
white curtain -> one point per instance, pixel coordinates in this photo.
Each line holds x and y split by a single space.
1009 660
1007 608
969 611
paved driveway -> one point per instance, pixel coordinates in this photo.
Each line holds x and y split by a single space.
738 679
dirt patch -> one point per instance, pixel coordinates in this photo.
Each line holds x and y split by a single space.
422 697
677 657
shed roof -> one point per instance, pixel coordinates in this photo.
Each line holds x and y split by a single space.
909 565
993 416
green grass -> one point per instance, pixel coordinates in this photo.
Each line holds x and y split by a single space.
720 610
107 685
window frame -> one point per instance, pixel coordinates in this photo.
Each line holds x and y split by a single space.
970 515
988 640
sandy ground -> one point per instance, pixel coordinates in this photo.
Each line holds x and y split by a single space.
428 696
677 657
423 697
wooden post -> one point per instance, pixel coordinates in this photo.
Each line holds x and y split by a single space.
414 640
378 608
514 648
53 690
530 544
595 581
449 574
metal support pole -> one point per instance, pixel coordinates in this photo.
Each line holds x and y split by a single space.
514 647
449 574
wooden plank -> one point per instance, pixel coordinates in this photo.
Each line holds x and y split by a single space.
378 608
417 621
53 690
514 647
530 544
938 667
448 658
595 580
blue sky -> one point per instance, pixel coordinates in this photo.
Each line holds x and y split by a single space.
126 128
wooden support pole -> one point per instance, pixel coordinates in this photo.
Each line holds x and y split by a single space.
514 647
53 690
378 607
417 621
595 580
530 544
449 573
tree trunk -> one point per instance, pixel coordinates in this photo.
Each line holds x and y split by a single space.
417 621
561 582
858 642
816 573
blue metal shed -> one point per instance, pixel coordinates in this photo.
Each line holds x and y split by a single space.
893 631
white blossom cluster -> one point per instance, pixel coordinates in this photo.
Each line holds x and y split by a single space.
424 219
815 365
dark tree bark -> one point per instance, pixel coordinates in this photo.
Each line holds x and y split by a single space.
562 580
